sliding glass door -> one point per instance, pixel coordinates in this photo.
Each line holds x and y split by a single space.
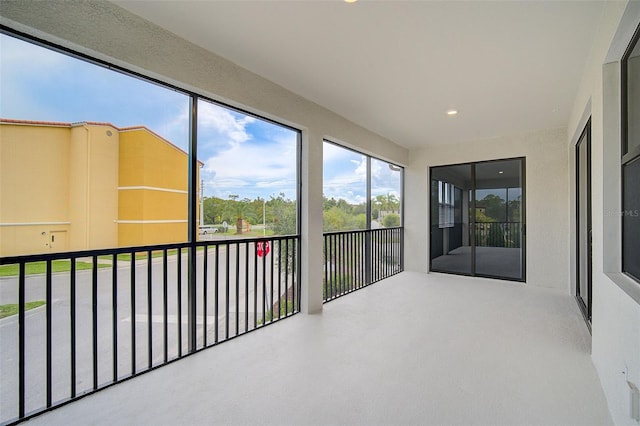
583 222
451 193
477 219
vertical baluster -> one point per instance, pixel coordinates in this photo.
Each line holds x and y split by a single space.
48 325
334 266
133 313
215 291
149 310
21 340
72 331
271 282
237 288
264 287
246 287
179 297
296 303
326 269
114 315
279 277
94 304
286 277
204 296
226 297
165 305
255 288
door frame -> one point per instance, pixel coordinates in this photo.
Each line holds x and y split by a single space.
585 308
472 219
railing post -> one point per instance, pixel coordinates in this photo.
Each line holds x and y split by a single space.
192 225
367 244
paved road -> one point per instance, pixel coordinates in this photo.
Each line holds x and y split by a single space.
241 300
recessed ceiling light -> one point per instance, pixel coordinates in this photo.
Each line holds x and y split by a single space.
350 1
452 112
500 172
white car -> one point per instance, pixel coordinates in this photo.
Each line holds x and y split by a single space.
204 230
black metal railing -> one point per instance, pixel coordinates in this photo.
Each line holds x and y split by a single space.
109 315
498 234
356 259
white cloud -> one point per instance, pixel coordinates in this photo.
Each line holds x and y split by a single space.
269 168
223 122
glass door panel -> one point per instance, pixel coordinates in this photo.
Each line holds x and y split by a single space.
477 219
583 225
498 219
450 220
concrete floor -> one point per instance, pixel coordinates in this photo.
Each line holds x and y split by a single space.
412 349
493 261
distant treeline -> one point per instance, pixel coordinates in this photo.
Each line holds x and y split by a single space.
279 213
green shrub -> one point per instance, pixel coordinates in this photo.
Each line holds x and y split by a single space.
391 220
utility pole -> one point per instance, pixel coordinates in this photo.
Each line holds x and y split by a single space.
201 202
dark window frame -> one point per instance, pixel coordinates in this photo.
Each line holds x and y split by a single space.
368 158
192 231
472 215
585 308
627 156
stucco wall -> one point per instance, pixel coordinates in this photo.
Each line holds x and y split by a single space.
152 188
33 187
616 300
546 199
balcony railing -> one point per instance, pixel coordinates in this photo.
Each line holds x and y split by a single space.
356 259
109 315
498 234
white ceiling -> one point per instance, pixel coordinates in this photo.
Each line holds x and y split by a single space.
396 67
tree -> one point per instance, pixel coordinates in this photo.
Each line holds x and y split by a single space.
514 210
391 220
393 204
495 207
282 215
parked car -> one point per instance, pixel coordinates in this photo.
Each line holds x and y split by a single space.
208 229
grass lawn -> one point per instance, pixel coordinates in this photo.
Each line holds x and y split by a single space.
257 233
12 309
41 267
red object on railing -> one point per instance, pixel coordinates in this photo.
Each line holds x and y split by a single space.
262 248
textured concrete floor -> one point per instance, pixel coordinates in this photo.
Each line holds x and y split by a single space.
413 349
492 261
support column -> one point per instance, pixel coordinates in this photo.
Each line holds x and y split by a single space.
311 223
416 213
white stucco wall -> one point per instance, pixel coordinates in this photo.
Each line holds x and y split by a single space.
616 300
107 32
546 199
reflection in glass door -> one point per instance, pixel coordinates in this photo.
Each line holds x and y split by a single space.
498 219
583 222
450 207
477 219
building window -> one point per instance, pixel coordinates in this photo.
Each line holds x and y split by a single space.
631 159
446 205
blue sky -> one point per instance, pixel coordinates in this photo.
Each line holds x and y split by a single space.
242 155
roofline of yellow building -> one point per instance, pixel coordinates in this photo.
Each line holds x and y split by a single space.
90 123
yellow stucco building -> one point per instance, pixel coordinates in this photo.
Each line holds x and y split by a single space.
78 186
